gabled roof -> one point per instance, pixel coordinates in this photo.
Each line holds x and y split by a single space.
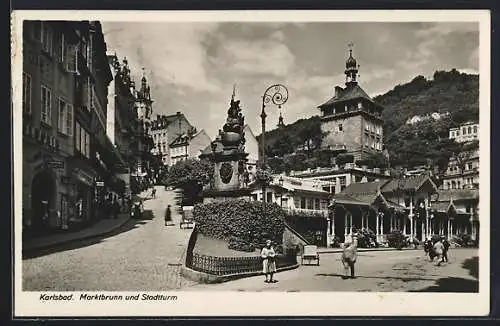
298 185
181 140
442 207
363 193
456 195
413 182
346 94
363 187
342 199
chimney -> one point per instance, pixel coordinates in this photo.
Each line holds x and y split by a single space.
338 91
178 113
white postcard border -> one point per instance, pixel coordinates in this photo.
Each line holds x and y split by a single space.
27 304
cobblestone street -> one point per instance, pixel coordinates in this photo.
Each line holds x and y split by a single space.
142 255
397 271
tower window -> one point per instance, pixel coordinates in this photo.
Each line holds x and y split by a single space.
341 128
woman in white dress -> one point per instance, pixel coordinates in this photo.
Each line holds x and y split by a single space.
268 262
349 256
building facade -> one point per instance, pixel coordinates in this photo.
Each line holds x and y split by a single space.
462 171
336 179
351 119
164 130
122 121
465 133
144 141
65 79
189 145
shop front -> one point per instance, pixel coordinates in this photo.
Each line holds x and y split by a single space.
81 203
43 190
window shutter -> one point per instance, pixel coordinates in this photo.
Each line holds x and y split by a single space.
72 59
69 119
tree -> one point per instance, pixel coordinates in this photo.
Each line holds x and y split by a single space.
342 159
190 176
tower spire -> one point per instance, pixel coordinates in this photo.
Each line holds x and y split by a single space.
351 68
234 93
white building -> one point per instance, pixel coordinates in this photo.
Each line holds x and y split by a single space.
465 133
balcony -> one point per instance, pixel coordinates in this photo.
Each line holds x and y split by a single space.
306 212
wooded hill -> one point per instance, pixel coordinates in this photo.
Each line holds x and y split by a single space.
408 145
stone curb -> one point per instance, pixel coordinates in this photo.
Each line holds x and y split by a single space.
201 277
71 240
339 250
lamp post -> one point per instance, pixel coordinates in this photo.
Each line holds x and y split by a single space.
278 95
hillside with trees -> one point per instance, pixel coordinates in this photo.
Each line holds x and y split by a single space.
295 146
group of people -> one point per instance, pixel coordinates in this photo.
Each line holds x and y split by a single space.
437 248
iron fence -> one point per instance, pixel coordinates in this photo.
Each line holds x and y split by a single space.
234 265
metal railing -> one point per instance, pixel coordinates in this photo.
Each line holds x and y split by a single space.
234 265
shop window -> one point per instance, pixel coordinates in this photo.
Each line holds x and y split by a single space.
302 203
27 93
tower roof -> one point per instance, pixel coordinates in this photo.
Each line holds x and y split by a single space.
347 94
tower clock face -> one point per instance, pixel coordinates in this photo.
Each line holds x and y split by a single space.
226 172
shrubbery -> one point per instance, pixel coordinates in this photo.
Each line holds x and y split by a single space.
367 239
245 225
464 240
396 239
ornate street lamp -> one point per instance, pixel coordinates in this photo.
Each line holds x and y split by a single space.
278 95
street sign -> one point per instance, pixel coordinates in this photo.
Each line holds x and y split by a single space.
99 183
58 165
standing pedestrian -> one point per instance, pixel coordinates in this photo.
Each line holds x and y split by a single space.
268 262
168 215
153 193
446 246
349 256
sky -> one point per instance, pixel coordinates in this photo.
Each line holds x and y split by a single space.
192 67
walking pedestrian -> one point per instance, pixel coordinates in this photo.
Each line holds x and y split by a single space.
438 251
168 215
153 193
349 256
268 262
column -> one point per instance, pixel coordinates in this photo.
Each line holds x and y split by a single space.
411 216
431 217
346 221
328 233
449 228
362 220
391 225
377 227
333 225
427 216
471 221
